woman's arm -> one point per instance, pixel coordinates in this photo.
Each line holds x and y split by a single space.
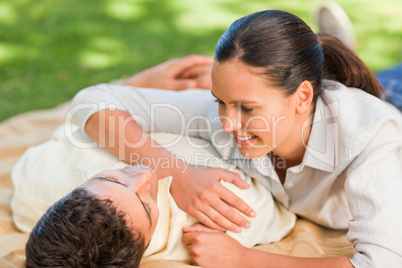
373 187
196 189
213 249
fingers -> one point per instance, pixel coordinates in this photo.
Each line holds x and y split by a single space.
216 214
195 237
233 219
204 81
233 199
237 203
214 249
196 244
197 71
200 73
214 210
226 217
180 65
188 72
188 238
235 179
168 75
195 59
207 220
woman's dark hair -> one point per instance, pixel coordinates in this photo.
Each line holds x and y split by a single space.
289 52
343 65
81 230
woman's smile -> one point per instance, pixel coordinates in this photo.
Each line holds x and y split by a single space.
244 140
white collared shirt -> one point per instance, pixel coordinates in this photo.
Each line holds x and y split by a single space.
350 176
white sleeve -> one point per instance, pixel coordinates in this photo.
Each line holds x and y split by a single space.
181 112
374 190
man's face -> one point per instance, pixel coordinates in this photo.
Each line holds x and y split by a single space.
133 191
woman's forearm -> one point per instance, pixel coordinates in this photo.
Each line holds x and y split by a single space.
258 258
209 249
118 133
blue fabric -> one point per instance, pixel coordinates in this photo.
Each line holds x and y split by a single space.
391 79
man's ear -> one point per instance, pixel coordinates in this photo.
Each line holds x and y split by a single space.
139 265
305 94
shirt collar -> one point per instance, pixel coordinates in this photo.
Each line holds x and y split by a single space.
322 147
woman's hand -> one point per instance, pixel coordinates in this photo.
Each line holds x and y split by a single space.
211 248
198 192
193 71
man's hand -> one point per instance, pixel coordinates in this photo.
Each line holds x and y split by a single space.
193 71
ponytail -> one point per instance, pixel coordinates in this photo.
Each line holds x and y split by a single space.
343 65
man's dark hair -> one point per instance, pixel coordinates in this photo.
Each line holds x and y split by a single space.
81 230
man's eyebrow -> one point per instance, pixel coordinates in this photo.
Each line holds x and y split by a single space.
142 203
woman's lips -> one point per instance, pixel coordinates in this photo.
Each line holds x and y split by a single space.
244 140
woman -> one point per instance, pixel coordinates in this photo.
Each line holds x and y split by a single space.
300 113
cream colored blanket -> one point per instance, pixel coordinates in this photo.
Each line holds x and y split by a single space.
22 131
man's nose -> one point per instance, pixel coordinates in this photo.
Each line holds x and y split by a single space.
141 181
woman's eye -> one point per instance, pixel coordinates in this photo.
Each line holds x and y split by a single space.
219 102
247 109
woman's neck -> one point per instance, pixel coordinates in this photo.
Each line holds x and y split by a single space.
294 148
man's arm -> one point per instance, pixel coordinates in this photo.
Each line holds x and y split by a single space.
193 71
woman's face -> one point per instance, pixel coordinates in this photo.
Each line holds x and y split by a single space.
133 191
260 117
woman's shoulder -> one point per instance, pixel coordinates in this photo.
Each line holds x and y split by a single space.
359 115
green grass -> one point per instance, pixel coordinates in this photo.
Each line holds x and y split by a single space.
50 49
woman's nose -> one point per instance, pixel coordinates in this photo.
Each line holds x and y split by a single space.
231 121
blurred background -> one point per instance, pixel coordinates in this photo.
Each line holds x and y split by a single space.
50 49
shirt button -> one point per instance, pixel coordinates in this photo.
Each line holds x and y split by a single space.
289 185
